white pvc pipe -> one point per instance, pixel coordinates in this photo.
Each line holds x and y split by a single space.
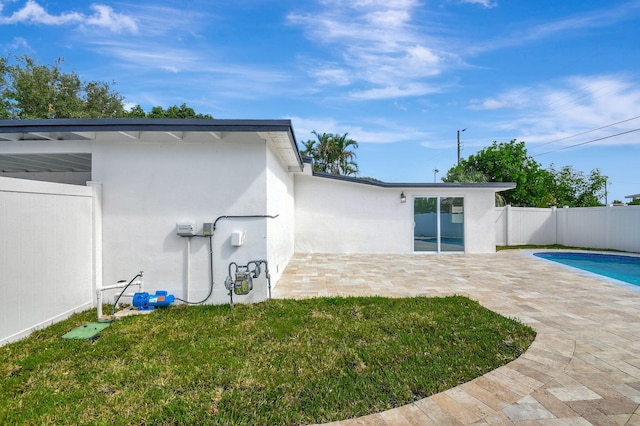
139 282
111 287
188 268
99 302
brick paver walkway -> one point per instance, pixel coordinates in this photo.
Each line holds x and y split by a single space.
583 368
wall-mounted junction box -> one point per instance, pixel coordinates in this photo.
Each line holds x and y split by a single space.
237 238
207 228
185 229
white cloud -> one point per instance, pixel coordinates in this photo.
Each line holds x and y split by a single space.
567 108
605 17
515 98
372 131
331 76
103 16
20 44
392 91
485 3
375 44
153 56
32 12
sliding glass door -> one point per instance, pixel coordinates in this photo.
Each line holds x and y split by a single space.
438 224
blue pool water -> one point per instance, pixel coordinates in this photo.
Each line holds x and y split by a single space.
619 267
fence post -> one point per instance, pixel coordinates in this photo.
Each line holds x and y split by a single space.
554 214
507 218
96 213
565 226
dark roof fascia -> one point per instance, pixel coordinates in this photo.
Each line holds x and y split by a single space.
502 186
144 124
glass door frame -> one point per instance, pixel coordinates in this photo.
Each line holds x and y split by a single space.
438 225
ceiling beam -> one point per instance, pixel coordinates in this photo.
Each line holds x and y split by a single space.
176 135
132 135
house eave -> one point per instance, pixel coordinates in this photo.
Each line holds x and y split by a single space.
280 131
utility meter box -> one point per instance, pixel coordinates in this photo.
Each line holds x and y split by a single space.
237 238
185 229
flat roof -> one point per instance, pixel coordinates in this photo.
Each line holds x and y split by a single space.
498 186
278 132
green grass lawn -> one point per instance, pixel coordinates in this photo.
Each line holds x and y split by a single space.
276 362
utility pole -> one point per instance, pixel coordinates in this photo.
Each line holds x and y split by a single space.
435 172
459 144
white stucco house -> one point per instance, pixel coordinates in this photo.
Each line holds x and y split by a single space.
246 176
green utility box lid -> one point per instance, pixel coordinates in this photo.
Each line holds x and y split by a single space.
87 331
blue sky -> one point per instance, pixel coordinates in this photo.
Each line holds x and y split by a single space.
400 76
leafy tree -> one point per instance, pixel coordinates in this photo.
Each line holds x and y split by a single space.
572 188
31 90
101 102
506 162
459 174
182 111
4 102
536 187
473 176
332 153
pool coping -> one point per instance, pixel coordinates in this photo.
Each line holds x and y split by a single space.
600 277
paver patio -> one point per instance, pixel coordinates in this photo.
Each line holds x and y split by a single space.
583 368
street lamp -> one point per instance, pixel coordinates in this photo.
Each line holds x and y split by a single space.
459 144
435 172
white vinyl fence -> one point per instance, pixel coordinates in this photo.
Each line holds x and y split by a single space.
610 227
48 253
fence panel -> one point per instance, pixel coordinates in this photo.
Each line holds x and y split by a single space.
613 227
522 225
46 254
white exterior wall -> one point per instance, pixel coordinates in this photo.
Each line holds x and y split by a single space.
280 231
334 216
342 217
46 254
149 186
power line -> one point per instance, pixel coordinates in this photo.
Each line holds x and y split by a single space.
570 95
584 143
588 131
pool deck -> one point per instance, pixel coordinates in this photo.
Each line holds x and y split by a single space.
583 367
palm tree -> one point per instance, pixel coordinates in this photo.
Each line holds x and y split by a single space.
344 155
332 153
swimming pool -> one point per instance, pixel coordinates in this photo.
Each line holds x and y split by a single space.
619 267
